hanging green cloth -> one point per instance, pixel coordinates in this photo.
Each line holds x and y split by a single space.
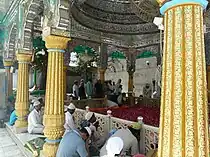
117 55
146 54
81 49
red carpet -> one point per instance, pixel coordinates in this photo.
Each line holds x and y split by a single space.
151 115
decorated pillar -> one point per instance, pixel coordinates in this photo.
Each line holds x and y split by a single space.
131 61
103 61
9 77
102 74
22 102
64 81
54 100
184 119
208 82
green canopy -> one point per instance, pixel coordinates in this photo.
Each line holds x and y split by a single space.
146 54
117 55
81 49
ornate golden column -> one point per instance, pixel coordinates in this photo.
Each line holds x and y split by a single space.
9 75
184 118
208 82
130 88
22 103
64 80
102 74
54 101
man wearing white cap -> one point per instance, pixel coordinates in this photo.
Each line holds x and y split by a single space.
130 138
34 120
114 147
75 144
69 121
97 141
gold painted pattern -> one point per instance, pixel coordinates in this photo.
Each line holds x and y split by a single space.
54 108
184 120
21 104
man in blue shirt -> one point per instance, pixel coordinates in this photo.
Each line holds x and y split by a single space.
74 144
13 118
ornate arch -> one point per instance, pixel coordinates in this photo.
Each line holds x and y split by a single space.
12 36
31 21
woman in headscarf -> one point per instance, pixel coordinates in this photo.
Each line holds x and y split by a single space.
114 147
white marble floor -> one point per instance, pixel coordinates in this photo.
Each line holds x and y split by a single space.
8 148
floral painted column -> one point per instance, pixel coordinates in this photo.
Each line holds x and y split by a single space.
64 80
7 65
54 101
184 119
22 98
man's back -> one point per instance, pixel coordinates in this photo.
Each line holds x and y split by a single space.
72 145
129 141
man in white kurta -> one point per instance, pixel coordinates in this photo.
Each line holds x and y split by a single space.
130 142
69 120
35 120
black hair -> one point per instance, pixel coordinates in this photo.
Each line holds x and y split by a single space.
83 130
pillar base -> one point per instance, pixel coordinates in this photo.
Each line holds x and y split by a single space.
21 124
18 130
50 150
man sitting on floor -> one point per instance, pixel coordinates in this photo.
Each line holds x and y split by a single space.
34 120
13 118
129 137
69 121
75 144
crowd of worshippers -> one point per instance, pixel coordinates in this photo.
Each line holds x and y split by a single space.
85 140
89 89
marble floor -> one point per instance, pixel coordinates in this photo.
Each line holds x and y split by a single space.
8 148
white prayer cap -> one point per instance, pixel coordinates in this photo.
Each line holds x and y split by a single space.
36 103
71 106
114 146
88 116
88 130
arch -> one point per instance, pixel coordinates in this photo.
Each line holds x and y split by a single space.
12 41
32 19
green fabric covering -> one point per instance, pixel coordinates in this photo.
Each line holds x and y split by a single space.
117 55
35 145
80 49
38 92
39 44
146 54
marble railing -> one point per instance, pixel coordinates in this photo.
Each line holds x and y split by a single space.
148 134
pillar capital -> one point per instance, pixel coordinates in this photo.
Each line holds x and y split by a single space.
56 42
173 3
24 58
8 63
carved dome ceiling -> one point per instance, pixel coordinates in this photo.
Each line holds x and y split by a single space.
116 16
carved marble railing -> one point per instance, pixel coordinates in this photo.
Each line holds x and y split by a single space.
148 134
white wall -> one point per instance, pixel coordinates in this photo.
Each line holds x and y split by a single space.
143 74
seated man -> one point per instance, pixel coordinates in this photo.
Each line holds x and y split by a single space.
13 118
96 140
69 121
34 120
114 147
129 137
75 144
